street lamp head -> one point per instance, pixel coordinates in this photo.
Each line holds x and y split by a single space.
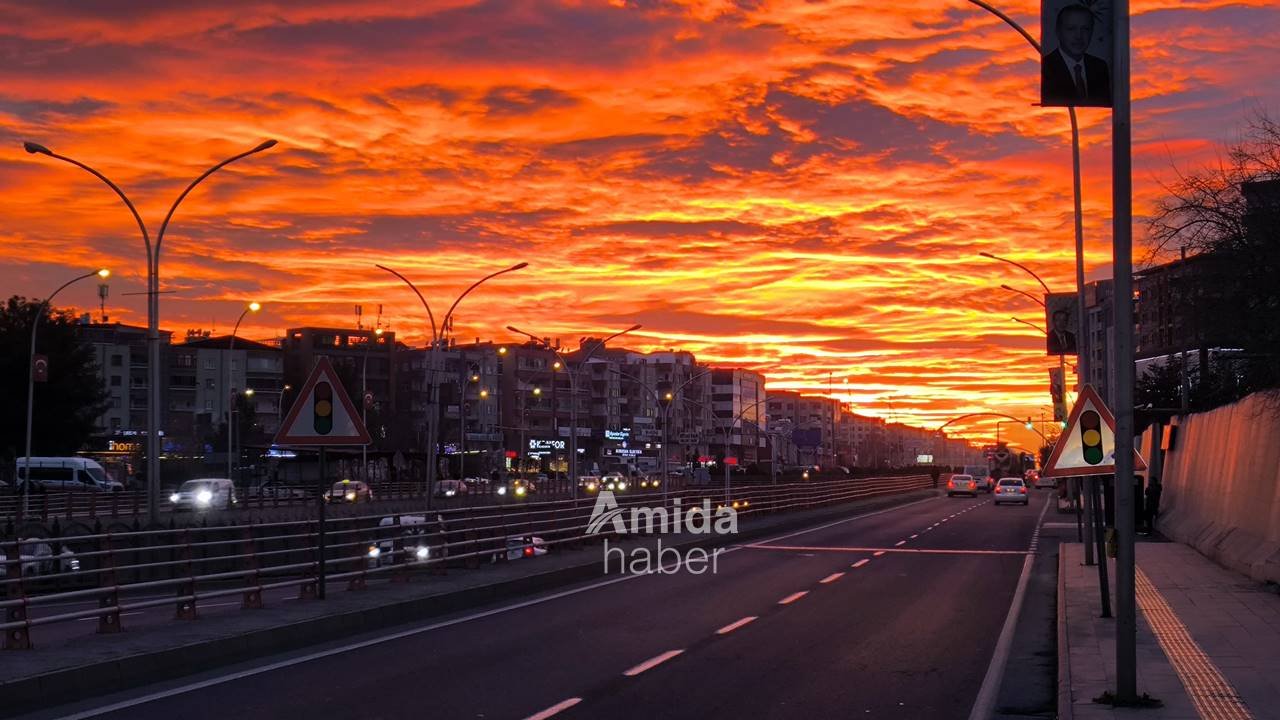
537 391
255 306
502 351
634 328
986 254
288 387
484 393
378 331
669 396
34 148
556 365
104 273
265 145
520 266
248 392
475 377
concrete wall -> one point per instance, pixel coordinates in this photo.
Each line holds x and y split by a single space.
1222 486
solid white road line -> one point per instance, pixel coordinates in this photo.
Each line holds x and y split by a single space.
831 578
735 625
917 551
793 597
985 703
400 635
652 663
555 709
860 563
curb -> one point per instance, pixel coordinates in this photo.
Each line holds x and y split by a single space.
86 681
1065 711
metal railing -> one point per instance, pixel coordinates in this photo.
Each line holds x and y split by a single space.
106 571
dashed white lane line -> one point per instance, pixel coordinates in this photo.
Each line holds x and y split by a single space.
860 563
913 537
900 543
555 709
878 553
831 578
793 597
735 625
652 663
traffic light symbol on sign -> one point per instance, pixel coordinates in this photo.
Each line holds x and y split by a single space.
1091 436
322 408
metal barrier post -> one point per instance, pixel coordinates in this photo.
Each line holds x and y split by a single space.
109 622
186 608
253 593
17 638
307 590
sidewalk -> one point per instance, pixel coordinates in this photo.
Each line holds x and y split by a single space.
1208 639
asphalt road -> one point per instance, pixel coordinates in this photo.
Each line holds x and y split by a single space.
891 615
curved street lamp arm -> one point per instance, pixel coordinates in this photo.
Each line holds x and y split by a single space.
1030 324
174 207
988 414
444 324
414 288
146 237
1008 21
1024 293
1018 265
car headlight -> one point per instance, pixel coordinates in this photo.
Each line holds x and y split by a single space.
502 491
591 486
520 490
423 552
450 493
174 497
622 486
204 497
351 497
374 551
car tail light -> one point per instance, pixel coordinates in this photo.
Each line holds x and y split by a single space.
1023 490
951 483
528 552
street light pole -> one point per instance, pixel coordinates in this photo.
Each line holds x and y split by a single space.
433 362
666 416
364 405
573 393
153 304
31 375
231 395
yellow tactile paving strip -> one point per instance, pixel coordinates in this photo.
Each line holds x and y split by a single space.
1210 692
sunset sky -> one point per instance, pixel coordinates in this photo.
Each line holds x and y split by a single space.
795 186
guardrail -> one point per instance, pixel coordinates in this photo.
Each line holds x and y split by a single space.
199 564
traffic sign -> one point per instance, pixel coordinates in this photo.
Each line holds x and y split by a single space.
1088 445
689 438
322 414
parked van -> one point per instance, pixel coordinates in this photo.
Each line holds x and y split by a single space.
65 474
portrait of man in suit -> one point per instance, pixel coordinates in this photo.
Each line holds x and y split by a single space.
1061 340
1069 74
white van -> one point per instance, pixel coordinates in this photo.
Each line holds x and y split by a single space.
205 494
65 473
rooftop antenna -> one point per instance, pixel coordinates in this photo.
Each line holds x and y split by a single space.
103 290
359 317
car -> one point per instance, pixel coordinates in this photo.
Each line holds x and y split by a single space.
616 482
962 485
517 487
1011 490
451 488
272 490
589 483
650 482
522 546
414 542
204 494
36 557
349 491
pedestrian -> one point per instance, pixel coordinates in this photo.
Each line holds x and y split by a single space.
935 473
1153 503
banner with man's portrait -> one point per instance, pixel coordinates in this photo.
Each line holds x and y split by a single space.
1076 38
1061 324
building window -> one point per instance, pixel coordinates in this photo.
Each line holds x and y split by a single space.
115 423
208 364
115 381
208 406
117 360
208 383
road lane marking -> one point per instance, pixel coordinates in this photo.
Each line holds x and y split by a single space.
793 597
860 563
831 578
913 537
880 551
652 663
984 704
415 631
900 543
735 625
555 709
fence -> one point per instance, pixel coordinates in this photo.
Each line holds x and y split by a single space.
199 564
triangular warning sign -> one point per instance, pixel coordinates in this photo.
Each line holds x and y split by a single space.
1088 445
322 414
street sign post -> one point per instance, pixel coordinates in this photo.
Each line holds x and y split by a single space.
321 416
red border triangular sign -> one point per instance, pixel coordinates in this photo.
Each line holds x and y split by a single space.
322 414
1088 445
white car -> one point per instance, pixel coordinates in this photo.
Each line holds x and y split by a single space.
524 546
204 494
37 558
1011 490
414 542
